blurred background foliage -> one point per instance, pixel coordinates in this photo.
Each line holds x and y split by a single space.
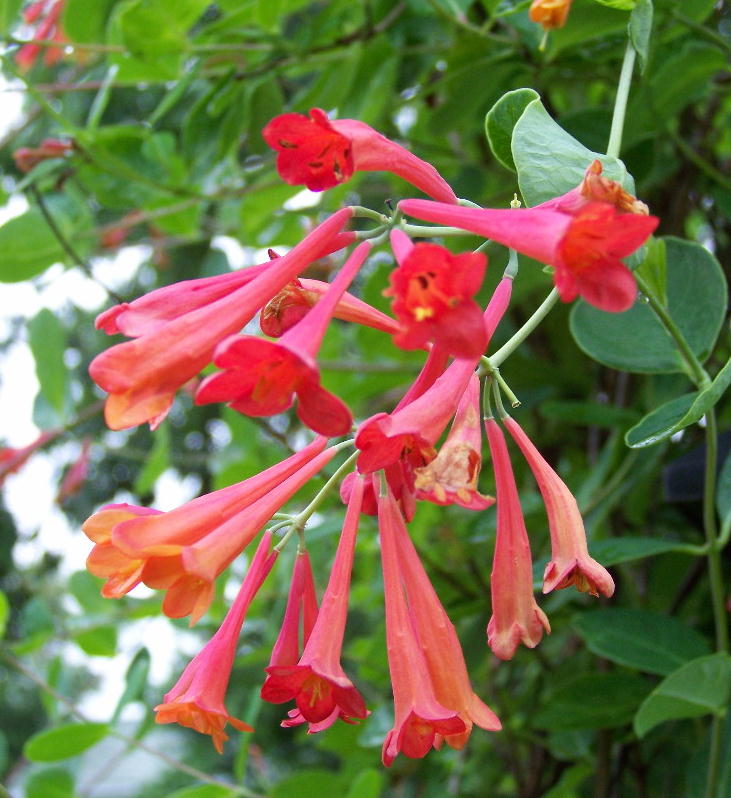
169 179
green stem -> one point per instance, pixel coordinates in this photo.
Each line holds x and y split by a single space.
507 349
702 30
620 102
490 369
714 757
301 519
423 231
695 368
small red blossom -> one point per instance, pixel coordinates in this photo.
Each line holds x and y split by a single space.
27 157
432 290
570 562
584 246
12 460
550 13
197 700
46 16
516 618
320 153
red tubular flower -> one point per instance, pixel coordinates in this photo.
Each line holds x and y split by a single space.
27 157
197 700
570 561
550 13
451 477
433 290
47 14
421 720
261 377
143 375
12 460
440 644
584 247
137 544
516 617
317 682
320 153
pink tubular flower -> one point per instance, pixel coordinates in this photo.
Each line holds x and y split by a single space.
76 475
12 460
197 700
451 477
261 377
516 617
320 153
143 375
137 544
27 157
317 681
421 720
432 290
584 246
47 15
570 561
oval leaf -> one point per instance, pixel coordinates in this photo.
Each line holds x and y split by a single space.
698 688
500 121
648 641
64 741
663 422
28 246
626 549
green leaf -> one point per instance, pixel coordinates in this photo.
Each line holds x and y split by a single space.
86 588
613 551
158 26
723 494
500 121
85 22
4 613
653 269
28 246
47 339
367 784
640 28
592 701
648 641
620 5
313 783
571 779
49 783
135 681
550 161
8 14
698 688
635 340
157 461
661 423
100 641
202 791
64 742
587 413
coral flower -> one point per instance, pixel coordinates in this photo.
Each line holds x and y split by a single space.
261 377
432 290
439 643
317 681
570 562
550 13
143 375
197 700
516 618
584 247
421 720
451 477
320 153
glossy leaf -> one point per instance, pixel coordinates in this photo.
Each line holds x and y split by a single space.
696 289
697 688
613 551
648 641
63 742
661 423
501 119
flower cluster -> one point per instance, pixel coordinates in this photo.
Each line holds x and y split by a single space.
398 460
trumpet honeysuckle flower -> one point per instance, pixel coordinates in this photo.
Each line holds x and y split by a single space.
516 618
295 300
570 562
143 375
183 551
550 13
317 682
45 15
197 700
421 720
320 153
451 477
433 291
584 246
28 157
261 377
439 643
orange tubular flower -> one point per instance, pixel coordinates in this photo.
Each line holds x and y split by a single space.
320 153
197 700
584 246
421 720
143 375
570 561
440 644
317 681
432 290
261 377
516 618
451 477
550 13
